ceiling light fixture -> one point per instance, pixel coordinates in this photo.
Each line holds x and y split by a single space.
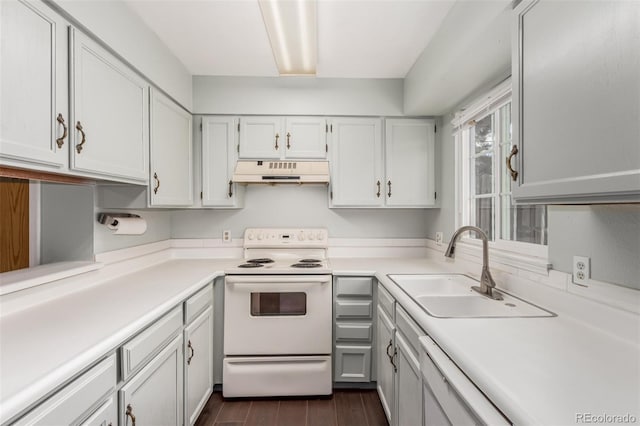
292 30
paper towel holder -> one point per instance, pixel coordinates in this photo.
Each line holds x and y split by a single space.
112 218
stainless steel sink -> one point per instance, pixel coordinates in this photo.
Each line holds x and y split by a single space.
450 296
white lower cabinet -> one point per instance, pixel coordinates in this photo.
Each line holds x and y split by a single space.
408 385
154 395
198 376
105 415
386 369
76 400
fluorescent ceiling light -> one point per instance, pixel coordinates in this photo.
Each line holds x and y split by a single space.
292 29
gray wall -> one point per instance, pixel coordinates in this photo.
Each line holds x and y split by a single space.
608 234
298 206
119 27
66 232
297 96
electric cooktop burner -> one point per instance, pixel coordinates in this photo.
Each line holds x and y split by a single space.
309 261
260 261
306 265
251 265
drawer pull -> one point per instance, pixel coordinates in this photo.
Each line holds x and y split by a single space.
513 173
60 140
192 352
388 347
84 138
129 413
392 359
378 193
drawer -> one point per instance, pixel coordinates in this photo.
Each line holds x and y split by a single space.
354 309
386 301
354 286
198 303
409 329
74 400
361 332
352 363
144 346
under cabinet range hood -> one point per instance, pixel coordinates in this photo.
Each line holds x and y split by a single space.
278 172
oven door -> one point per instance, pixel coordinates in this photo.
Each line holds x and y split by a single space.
277 315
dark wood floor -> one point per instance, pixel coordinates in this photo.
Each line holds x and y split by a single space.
344 408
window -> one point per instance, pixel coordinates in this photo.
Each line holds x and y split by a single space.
483 142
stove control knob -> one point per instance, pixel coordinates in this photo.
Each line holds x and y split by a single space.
301 236
250 236
319 236
260 236
311 236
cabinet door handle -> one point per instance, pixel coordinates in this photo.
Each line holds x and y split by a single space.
514 173
60 140
288 137
395 367
388 347
230 189
129 413
84 138
192 353
389 185
378 193
277 137
155 190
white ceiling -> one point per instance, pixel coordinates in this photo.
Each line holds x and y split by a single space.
356 38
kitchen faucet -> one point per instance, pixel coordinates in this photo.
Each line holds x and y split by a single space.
486 280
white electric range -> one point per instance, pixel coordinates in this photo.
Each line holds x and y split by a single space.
278 315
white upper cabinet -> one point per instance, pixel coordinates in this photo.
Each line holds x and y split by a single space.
260 137
265 137
576 101
219 155
110 112
171 181
305 137
34 113
356 162
410 163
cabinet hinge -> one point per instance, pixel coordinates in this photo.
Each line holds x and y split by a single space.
238 127
238 148
331 194
326 147
201 195
435 195
435 128
200 126
326 128
331 128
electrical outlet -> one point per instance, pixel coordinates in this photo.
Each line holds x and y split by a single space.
439 237
581 270
226 236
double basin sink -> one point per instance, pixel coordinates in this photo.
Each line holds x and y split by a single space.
450 296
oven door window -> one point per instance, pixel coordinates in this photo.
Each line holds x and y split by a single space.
278 304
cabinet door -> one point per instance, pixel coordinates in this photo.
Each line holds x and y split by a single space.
385 347
352 363
356 163
110 111
33 84
408 385
171 182
410 163
106 414
154 395
219 156
576 109
306 137
198 355
261 137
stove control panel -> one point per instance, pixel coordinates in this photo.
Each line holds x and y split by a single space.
286 237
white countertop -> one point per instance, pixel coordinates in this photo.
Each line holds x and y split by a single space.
537 370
